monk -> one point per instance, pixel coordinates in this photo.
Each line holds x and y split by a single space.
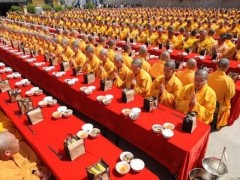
198 97
100 46
67 53
92 62
221 47
111 49
167 86
15 166
106 68
157 68
126 55
187 75
140 80
122 72
143 53
224 88
79 58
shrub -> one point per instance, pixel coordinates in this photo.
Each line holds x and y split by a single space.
15 8
58 8
89 5
47 7
31 8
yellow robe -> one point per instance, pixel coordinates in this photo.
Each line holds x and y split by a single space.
123 75
108 70
18 168
157 69
205 102
97 50
186 76
124 33
144 82
68 54
172 88
79 59
173 41
237 55
224 88
92 65
142 38
204 45
190 42
111 54
127 60
146 66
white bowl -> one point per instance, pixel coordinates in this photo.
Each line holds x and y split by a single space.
170 50
83 88
106 101
87 127
137 165
152 56
157 128
17 75
48 98
126 156
47 69
238 65
38 92
67 113
134 116
29 93
8 70
126 111
2 71
109 96
62 109
71 82
58 75
18 84
52 102
95 132
88 91
93 88
82 134
26 83
29 60
168 125
2 64
122 167
100 98
34 89
56 115
136 110
184 53
167 133
10 76
42 103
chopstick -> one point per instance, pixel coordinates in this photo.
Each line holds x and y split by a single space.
176 115
54 151
32 131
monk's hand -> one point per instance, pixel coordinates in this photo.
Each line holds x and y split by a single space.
192 101
101 68
43 173
134 82
162 88
115 75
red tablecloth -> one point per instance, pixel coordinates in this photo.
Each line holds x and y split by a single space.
179 154
53 132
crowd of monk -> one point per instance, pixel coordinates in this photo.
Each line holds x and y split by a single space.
186 90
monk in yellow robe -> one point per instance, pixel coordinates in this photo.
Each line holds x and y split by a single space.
203 44
124 31
79 58
224 88
161 37
15 166
198 97
126 55
111 49
187 75
100 46
236 55
140 80
106 69
172 39
166 87
220 48
231 46
143 55
188 44
180 39
92 62
67 53
210 37
157 68
122 73
141 36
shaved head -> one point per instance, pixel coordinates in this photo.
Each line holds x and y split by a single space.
191 63
118 57
165 56
202 73
137 62
8 143
143 50
170 64
223 64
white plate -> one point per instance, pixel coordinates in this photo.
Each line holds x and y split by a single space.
109 96
62 108
126 153
83 88
136 110
48 98
87 127
137 165
92 88
167 133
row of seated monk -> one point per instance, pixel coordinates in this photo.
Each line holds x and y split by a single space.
17 159
184 91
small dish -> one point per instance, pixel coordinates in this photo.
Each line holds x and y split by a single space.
10 76
67 113
71 83
34 89
52 102
126 156
106 101
62 109
167 133
109 96
157 128
93 88
18 84
26 83
2 64
42 103
136 110
126 111
82 134
29 93
184 53
137 165
2 71
48 98
83 88
134 116
87 127
168 126
17 75
100 98
88 91
95 132
38 92
122 167
56 115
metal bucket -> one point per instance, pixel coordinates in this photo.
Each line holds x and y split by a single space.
200 174
211 165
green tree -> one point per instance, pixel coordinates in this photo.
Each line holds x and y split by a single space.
16 8
31 8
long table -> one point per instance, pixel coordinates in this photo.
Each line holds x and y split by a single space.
179 154
53 132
